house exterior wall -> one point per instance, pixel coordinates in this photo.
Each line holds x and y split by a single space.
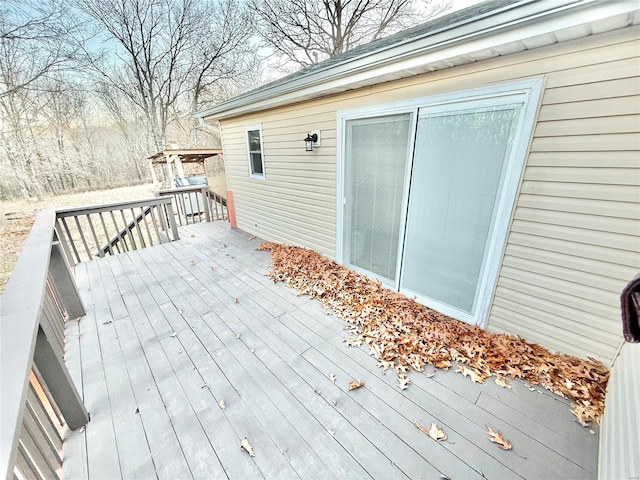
620 426
575 233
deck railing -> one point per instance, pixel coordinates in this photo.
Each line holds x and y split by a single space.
196 204
39 400
96 231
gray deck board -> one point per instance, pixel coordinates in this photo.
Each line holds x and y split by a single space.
158 349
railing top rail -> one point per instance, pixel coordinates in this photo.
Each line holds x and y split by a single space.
19 317
191 188
70 212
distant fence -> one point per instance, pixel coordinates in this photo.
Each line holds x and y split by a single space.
39 400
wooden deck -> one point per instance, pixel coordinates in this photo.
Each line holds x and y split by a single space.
174 329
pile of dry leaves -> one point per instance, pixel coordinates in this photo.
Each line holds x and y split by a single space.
405 335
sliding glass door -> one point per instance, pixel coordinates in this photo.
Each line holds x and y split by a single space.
428 193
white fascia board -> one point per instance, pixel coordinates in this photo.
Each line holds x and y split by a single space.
532 19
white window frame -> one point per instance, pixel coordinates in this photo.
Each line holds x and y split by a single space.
530 90
253 128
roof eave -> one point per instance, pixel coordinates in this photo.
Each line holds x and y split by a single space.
499 26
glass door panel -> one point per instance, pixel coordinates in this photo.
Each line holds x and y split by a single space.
458 169
377 151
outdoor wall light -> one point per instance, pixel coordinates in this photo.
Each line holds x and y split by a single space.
310 140
313 138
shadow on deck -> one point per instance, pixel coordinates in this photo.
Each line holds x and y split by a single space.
175 329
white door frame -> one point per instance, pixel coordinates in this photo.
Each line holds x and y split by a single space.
529 91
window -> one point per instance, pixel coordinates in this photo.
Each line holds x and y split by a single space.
254 148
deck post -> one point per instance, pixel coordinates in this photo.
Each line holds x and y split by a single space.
231 211
65 283
172 222
59 382
206 203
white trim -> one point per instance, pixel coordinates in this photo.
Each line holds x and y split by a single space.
253 128
526 92
513 176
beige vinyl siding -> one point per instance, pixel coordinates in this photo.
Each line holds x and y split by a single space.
295 204
575 232
575 236
619 440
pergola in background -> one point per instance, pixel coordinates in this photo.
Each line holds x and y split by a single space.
178 157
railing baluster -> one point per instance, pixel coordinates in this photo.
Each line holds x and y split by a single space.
136 224
84 242
144 213
214 199
172 223
155 222
59 235
95 237
180 209
118 233
164 219
128 230
71 241
106 234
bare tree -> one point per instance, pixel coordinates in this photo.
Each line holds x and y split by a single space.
34 46
168 53
304 32
33 42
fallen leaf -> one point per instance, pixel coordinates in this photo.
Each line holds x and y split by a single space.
82 429
193 236
437 434
247 446
430 374
496 437
403 383
332 377
193 262
236 300
237 334
502 382
213 268
350 342
222 405
433 432
355 385
252 237
252 350
174 334
467 372
331 432
384 364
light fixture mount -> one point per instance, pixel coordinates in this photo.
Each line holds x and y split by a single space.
313 138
